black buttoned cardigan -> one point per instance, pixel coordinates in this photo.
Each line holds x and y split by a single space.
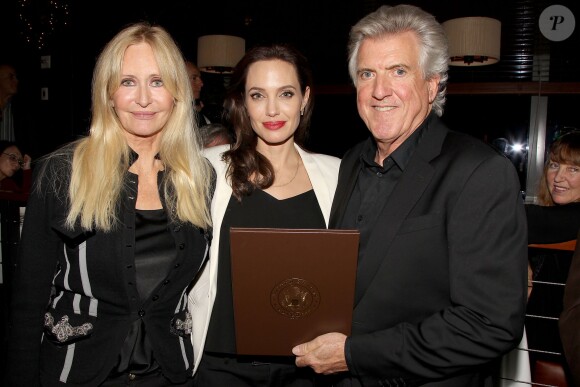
90 278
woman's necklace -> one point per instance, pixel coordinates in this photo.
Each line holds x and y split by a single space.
293 177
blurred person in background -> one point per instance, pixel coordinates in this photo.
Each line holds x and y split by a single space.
554 219
14 185
8 89
215 134
556 215
196 85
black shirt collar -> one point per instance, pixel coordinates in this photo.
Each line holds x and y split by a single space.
133 156
402 154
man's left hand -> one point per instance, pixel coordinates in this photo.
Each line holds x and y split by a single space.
324 354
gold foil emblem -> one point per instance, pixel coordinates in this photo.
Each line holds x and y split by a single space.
295 298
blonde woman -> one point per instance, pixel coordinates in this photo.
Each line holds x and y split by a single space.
115 231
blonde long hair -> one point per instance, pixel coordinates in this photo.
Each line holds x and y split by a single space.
101 160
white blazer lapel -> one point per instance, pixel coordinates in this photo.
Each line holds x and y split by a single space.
322 190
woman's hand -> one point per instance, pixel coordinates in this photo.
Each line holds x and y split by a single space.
27 160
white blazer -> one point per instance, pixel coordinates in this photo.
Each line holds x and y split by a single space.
323 173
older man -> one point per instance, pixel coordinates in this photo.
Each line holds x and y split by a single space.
441 281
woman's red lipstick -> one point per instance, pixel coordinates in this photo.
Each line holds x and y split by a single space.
272 125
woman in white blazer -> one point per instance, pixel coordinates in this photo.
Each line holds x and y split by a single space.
266 179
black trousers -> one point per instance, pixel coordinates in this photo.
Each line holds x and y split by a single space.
252 371
155 379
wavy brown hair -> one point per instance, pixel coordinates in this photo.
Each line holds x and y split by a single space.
247 168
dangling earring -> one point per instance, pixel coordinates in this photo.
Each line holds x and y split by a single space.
302 111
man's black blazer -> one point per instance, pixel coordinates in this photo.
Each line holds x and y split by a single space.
441 289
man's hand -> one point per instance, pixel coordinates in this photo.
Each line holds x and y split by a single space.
325 354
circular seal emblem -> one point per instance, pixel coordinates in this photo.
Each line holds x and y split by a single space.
295 298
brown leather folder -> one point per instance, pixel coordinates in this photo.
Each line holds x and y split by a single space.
290 286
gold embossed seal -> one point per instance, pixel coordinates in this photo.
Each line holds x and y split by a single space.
295 298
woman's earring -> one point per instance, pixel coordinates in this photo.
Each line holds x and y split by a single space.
302 111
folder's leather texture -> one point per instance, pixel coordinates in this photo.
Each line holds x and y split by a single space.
290 286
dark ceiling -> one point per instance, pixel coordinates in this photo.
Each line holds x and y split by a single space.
74 32
319 28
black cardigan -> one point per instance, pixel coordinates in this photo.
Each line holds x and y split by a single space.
89 277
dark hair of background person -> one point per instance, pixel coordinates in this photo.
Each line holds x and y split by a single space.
565 150
244 160
215 134
5 144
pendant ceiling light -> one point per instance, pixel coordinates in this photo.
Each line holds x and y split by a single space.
473 41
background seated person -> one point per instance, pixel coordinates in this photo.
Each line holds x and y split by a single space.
556 218
196 82
14 185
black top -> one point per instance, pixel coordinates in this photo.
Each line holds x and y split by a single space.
154 254
259 209
553 224
375 184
